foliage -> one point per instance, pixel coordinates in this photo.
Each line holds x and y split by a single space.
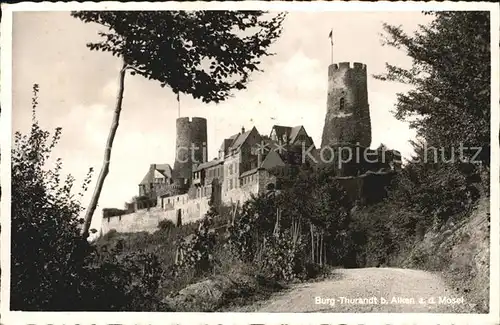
273 230
450 79
206 54
255 221
127 281
450 73
46 252
166 224
326 207
52 267
434 191
113 212
281 257
197 249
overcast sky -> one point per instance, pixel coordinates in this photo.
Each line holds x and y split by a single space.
78 91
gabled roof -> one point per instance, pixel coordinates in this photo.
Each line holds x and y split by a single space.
209 164
273 159
281 131
163 169
235 141
287 131
271 145
226 143
240 140
294 132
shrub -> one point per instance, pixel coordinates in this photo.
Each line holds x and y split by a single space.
434 191
166 224
281 257
52 266
197 249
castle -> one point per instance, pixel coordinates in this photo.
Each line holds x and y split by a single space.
251 163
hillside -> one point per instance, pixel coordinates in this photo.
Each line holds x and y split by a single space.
457 252
460 252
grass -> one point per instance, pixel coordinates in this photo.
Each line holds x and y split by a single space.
238 283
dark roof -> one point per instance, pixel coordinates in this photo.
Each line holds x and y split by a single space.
249 172
226 143
288 131
209 164
294 132
235 141
242 137
281 130
273 159
164 169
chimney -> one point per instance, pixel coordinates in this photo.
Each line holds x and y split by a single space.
242 129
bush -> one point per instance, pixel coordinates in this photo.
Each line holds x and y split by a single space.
166 224
197 249
52 267
435 192
281 258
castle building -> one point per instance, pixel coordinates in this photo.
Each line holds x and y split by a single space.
249 163
159 176
191 147
347 117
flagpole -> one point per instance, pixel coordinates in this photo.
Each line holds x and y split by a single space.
331 54
331 45
178 106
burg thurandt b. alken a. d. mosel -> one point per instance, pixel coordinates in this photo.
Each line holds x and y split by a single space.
250 163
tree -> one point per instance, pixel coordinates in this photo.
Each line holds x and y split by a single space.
450 72
46 251
52 267
449 107
206 54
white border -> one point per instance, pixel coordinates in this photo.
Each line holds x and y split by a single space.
243 318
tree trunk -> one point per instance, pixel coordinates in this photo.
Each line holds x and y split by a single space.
320 244
323 250
320 251
107 155
312 243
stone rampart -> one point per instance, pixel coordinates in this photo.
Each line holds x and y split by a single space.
148 219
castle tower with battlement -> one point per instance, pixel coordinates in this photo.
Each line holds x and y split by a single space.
347 118
190 147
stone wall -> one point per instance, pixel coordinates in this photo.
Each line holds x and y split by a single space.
148 219
242 193
141 220
369 189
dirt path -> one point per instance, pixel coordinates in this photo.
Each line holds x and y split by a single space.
362 291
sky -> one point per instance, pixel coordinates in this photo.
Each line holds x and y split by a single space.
78 91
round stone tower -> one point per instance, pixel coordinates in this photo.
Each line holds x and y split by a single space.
348 115
199 139
190 147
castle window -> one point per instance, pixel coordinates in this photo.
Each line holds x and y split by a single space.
342 104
